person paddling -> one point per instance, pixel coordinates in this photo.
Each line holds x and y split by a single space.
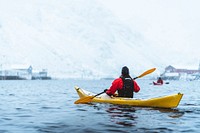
160 81
124 85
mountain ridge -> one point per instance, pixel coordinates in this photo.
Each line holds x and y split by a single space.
71 40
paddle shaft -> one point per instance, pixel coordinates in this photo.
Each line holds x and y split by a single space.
87 99
99 94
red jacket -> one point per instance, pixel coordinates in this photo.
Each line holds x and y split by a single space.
117 84
160 81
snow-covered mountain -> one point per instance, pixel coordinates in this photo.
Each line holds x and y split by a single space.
72 38
170 25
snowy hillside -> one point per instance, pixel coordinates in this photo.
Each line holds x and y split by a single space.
170 25
71 39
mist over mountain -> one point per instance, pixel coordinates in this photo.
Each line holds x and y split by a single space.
172 26
72 38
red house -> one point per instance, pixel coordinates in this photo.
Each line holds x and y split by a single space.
172 69
175 73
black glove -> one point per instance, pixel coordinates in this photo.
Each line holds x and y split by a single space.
105 90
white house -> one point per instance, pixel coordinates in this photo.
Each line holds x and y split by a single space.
23 71
177 73
17 72
40 74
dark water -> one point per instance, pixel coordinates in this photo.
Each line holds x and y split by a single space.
48 107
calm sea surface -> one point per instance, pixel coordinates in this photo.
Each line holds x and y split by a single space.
48 107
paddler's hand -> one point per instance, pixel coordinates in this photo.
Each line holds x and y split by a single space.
105 90
115 95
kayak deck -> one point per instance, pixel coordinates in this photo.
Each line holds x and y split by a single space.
170 101
155 83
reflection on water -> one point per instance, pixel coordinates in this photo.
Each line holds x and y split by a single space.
122 115
127 115
48 107
173 113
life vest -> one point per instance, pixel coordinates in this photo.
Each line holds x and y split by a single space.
128 87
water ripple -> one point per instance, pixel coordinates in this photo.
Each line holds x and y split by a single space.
48 107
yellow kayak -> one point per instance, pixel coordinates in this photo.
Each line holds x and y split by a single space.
169 101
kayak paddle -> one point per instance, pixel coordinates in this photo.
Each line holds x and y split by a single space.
89 98
145 73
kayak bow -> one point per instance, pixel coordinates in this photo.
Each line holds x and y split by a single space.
170 101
